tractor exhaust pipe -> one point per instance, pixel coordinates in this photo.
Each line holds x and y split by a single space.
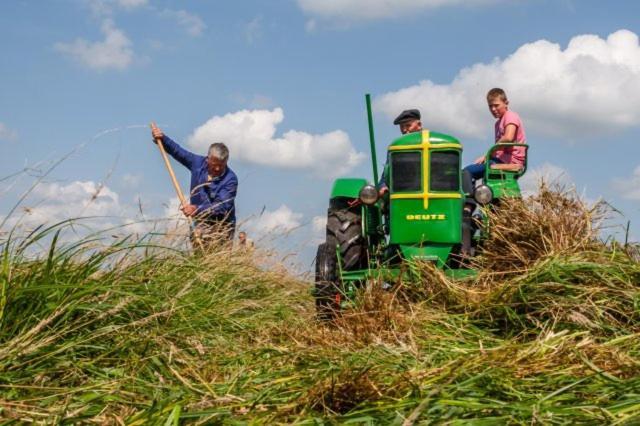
372 139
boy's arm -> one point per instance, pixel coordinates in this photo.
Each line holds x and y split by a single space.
509 134
509 167
479 160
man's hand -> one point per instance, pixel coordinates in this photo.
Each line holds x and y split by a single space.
156 132
189 210
479 160
383 190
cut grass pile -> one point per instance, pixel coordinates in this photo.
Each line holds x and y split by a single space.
132 334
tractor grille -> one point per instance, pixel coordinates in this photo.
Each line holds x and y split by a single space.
445 171
406 171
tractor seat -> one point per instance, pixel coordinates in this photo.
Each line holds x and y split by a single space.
494 171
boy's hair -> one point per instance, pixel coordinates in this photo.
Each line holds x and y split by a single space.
497 92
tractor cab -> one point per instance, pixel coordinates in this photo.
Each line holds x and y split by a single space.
425 195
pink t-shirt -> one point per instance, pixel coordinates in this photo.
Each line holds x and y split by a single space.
516 154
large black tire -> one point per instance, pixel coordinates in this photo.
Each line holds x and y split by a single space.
345 227
327 293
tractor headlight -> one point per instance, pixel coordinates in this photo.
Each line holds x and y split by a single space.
368 194
483 194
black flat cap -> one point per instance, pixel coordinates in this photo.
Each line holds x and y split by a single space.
407 115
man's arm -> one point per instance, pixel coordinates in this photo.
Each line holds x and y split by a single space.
183 156
222 203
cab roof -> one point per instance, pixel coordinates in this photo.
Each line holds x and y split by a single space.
435 138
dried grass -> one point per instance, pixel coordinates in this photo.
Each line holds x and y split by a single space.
547 333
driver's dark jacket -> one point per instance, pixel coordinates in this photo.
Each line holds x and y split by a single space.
214 198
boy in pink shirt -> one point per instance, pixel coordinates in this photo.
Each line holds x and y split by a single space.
508 129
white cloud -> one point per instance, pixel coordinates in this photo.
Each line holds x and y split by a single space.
259 101
253 30
352 10
53 202
311 25
106 7
319 224
591 87
132 180
132 4
256 101
114 52
281 220
97 207
172 209
193 24
250 135
318 229
628 187
7 134
548 173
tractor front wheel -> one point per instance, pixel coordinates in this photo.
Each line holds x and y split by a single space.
327 293
345 227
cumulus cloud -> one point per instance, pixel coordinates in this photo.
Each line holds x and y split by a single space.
54 202
628 187
590 87
192 24
548 173
98 207
281 220
132 4
355 10
114 52
250 135
7 134
107 7
318 229
256 101
172 209
319 224
253 30
132 180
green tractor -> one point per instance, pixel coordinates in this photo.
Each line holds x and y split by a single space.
421 218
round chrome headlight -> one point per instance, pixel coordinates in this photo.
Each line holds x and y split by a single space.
483 194
368 194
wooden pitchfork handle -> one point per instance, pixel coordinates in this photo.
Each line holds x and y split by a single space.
176 185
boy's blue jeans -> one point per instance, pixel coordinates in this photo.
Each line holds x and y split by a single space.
477 170
473 172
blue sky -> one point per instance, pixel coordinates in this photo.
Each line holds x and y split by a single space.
283 83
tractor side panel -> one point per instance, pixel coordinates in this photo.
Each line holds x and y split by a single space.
503 185
440 222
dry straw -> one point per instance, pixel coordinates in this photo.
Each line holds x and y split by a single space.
137 332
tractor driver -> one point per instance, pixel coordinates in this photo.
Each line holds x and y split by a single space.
409 122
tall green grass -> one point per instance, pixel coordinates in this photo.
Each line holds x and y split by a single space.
133 332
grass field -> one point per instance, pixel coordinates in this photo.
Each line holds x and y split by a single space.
132 332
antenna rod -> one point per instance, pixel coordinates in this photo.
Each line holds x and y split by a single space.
372 140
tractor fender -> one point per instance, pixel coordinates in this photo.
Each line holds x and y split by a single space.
347 187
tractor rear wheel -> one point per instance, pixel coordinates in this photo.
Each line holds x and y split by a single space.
345 227
327 293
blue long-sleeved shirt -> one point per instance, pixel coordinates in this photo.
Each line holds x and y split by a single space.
214 199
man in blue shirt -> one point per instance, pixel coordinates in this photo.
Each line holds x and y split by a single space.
213 187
